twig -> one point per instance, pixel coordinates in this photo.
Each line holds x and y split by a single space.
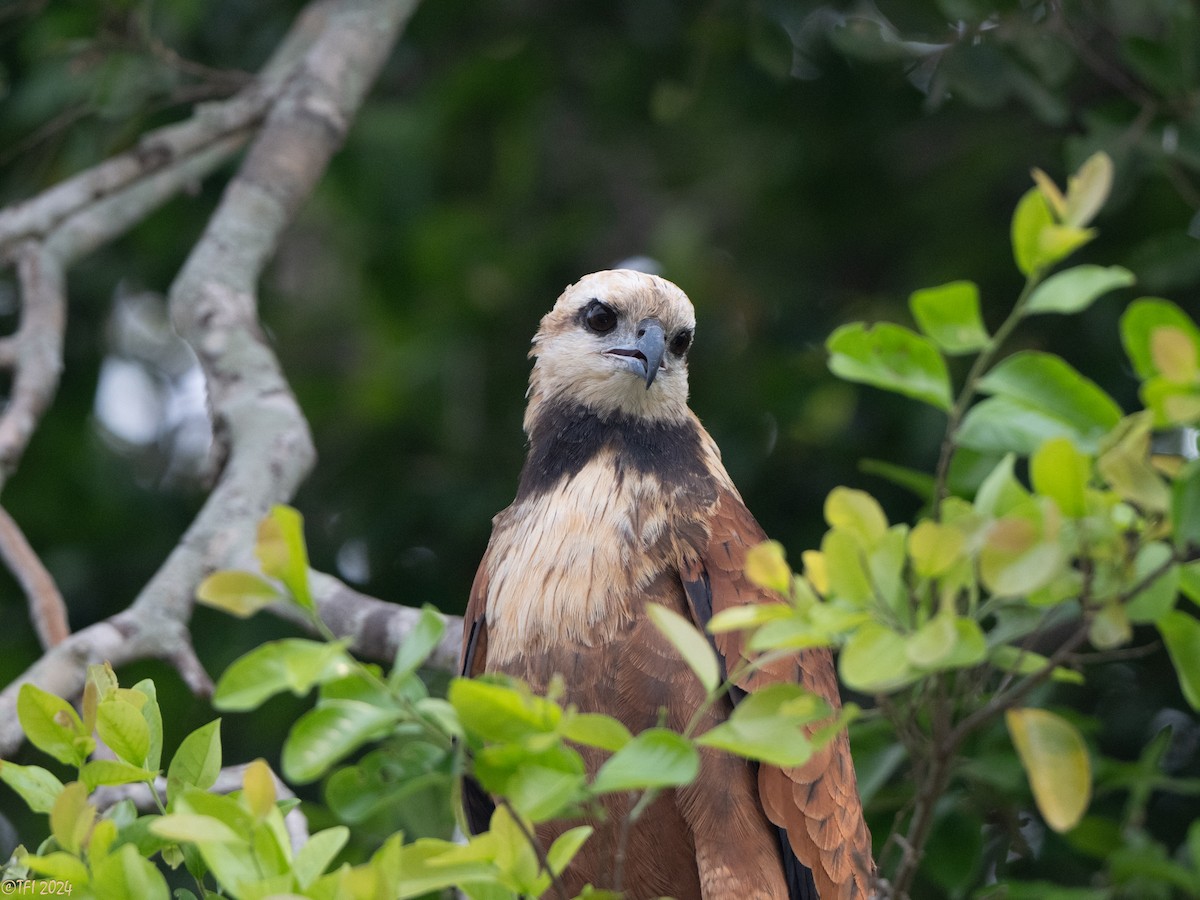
47 610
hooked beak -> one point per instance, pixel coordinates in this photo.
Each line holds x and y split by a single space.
645 357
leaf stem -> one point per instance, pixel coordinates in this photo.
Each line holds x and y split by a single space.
970 388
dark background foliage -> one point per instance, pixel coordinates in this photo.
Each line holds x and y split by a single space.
791 165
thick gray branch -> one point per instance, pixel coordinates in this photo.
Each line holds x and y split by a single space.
214 306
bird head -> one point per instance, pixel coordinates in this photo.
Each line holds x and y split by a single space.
616 342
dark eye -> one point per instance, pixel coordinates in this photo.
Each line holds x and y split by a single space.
681 342
600 317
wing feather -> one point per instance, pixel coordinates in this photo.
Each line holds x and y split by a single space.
816 803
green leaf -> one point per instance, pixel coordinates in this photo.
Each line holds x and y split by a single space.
421 641
858 514
1021 551
1057 763
325 735
125 873
949 314
292 664
540 793
1185 507
768 725
892 358
691 644
153 716
52 725
1074 290
1046 386
912 480
497 712
595 730
1124 462
61 865
239 593
1025 662
194 827
1059 471
656 758
1157 598
281 551
1141 319
35 785
71 816
932 642
935 547
1181 634
197 762
124 729
1031 217
874 660
565 846
317 853
112 771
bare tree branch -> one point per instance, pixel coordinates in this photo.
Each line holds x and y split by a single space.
46 606
214 307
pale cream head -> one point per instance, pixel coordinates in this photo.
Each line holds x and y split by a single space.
594 346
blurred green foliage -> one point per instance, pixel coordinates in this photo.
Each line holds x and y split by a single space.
791 165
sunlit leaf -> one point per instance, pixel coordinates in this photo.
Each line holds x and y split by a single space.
934 547
856 513
123 728
258 788
318 852
71 816
949 314
97 772
766 566
281 551
1074 290
691 644
844 559
892 358
596 730
1032 215
932 642
239 593
497 712
1061 472
1057 763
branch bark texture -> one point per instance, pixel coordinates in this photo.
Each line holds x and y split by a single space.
306 99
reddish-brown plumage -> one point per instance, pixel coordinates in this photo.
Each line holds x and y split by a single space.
624 501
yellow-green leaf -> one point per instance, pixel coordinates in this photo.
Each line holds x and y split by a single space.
1060 471
857 513
72 816
258 788
239 593
766 566
934 547
1087 189
1057 764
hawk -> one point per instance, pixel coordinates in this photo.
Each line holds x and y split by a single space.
623 500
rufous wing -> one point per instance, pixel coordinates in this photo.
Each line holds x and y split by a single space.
816 803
